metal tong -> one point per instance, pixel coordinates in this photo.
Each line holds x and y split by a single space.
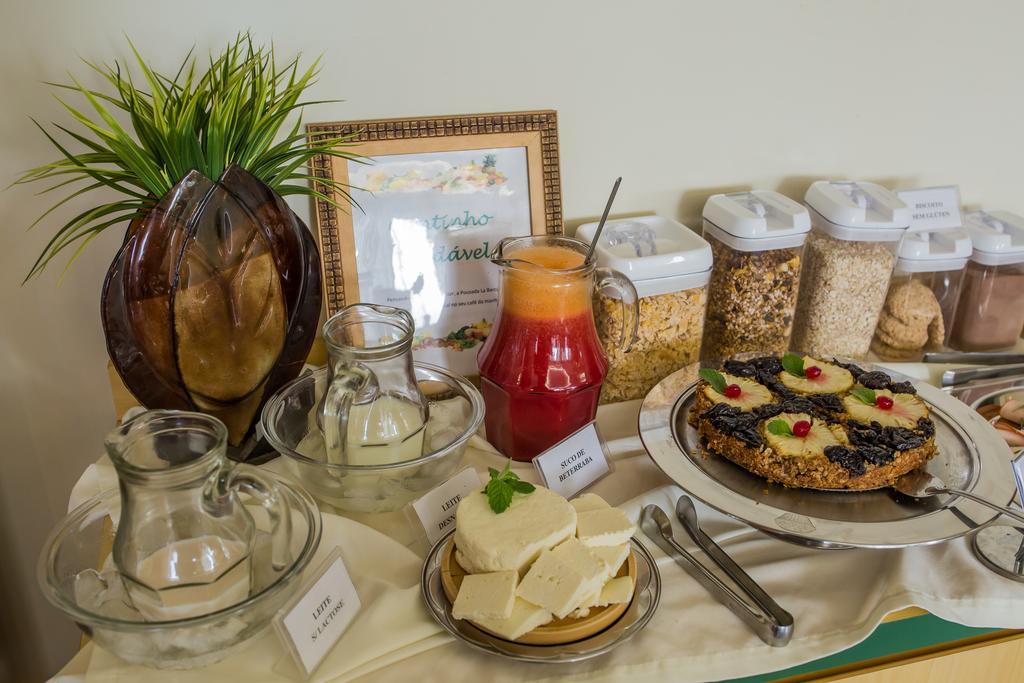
771 623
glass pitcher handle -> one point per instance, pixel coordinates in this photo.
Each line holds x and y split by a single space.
345 381
246 479
606 278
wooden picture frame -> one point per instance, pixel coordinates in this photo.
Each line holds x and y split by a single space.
523 146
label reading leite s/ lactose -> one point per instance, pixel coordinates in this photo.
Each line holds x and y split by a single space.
574 463
320 614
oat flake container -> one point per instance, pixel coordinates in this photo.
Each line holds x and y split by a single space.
757 241
990 313
669 265
923 294
849 256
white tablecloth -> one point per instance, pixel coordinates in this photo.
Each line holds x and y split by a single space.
837 597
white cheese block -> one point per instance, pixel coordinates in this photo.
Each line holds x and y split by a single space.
610 526
486 596
612 556
616 591
556 585
524 618
589 601
489 542
588 501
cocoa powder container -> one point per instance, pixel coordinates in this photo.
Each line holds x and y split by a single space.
990 312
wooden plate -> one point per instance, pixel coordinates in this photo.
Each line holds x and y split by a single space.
557 632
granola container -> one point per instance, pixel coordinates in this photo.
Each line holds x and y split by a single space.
670 266
757 241
856 229
922 298
990 314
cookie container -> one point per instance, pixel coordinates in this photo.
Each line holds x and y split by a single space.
757 241
990 313
856 228
922 298
670 266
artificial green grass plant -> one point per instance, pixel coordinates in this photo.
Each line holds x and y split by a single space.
206 120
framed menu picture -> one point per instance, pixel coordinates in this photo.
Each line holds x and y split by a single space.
435 198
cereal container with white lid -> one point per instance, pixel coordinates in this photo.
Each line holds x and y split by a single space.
670 266
990 313
856 228
923 294
757 241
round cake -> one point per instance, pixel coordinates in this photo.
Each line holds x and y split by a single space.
806 423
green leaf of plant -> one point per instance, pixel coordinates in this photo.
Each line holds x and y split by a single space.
499 495
793 364
779 428
522 486
863 395
714 378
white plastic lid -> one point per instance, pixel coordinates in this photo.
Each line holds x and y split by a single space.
998 237
923 251
758 220
658 255
858 211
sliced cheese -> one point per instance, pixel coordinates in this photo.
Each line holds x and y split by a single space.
489 542
578 557
610 526
611 556
616 591
588 501
486 596
556 585
524 618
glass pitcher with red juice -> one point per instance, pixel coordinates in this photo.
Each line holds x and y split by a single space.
542 366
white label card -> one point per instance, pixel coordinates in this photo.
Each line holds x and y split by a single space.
436 509
314 622
1018 473
574 463
933 208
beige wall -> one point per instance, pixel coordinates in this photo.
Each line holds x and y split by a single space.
680 98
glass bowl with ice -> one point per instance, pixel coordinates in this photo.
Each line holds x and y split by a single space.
373 477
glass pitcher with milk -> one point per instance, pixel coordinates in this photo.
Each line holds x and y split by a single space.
185 541
372 412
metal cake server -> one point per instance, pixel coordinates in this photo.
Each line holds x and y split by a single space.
771 623
920 484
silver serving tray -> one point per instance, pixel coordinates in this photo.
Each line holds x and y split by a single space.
646 595
971 457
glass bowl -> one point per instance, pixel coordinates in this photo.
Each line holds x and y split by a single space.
290 426
77 576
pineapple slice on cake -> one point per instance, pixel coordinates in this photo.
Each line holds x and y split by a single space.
884 407
799 435
739 392
806 375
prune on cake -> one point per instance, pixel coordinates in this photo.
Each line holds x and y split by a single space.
902 388
874 380
846 458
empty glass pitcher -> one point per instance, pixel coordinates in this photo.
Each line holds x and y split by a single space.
372 412
185 541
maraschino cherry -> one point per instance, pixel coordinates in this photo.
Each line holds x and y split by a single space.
733 391
801 428
813 372
883 402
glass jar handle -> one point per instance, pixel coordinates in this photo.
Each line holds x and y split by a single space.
344 382
247 479
627 296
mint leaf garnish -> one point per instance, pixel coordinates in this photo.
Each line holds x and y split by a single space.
502 486
863 395
780 428
714 378
793 364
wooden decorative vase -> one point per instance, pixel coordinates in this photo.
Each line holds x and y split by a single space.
213 300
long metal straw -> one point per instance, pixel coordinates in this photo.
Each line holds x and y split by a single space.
604 217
